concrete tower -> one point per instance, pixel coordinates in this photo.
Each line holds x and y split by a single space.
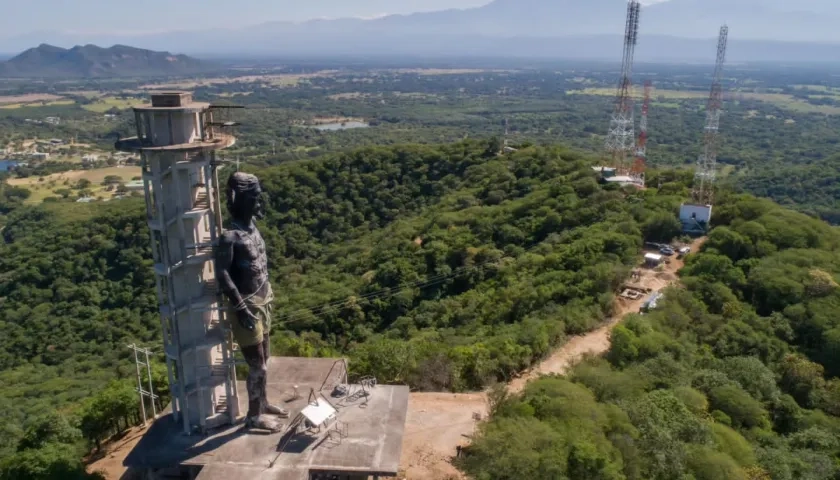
178 140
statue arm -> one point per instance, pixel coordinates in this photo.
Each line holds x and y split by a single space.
224 260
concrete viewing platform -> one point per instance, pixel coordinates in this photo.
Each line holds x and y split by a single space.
135 144
369 445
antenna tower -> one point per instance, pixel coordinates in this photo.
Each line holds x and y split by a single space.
621 138
704 179
638 170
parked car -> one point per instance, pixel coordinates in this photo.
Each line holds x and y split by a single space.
667 251
684 251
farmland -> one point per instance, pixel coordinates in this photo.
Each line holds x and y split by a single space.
103 104
44 187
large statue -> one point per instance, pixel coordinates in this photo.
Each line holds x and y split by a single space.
242 271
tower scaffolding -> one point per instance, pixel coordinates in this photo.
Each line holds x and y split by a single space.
706 174
621 141
697 215
177 139
640 165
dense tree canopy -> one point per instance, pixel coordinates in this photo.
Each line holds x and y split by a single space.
443 267
732 377
449 267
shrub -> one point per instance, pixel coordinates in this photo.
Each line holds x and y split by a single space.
744 410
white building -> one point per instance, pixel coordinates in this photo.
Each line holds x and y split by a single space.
177 141
695 218
621 180
653 259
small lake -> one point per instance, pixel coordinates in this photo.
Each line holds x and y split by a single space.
340 126
5 165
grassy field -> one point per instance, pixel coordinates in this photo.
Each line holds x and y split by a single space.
29 98
85 93
102 105
638 93
788 102
276 80
52 103
42 189
819 88
666 104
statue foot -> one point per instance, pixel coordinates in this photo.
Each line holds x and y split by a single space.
275 410
263 422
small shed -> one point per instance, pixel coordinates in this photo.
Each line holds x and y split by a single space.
135 186
653 259
620 179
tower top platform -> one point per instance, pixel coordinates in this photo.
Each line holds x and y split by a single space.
375 429
136 144
172 101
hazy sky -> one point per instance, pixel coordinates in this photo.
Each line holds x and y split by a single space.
111 16
24 16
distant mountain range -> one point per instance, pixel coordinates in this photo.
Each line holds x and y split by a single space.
761 30
92 61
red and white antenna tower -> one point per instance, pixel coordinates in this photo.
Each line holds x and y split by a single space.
704 178
621 138
638 170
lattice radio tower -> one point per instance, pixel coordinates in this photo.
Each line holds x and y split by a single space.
639 166
621 139
704 180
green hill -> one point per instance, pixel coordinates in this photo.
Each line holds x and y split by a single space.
92 61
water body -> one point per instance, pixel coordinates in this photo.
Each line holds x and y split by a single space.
340 126
5 165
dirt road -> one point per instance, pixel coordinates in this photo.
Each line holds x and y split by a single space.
438 422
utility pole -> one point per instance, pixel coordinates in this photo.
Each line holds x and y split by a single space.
150 393
706 174
621 140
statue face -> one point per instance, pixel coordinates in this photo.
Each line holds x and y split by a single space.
252 202
248 203
258 202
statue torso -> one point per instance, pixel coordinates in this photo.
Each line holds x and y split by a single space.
249 270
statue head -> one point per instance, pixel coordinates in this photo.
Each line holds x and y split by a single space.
244 196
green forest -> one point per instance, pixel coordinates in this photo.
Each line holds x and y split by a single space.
733 377
444 267
448 267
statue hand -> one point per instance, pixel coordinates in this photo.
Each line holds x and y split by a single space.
246 319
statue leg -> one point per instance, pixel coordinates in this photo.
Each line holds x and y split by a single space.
256 381
268 407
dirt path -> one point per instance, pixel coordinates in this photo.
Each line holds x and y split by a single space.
438 422
110 460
